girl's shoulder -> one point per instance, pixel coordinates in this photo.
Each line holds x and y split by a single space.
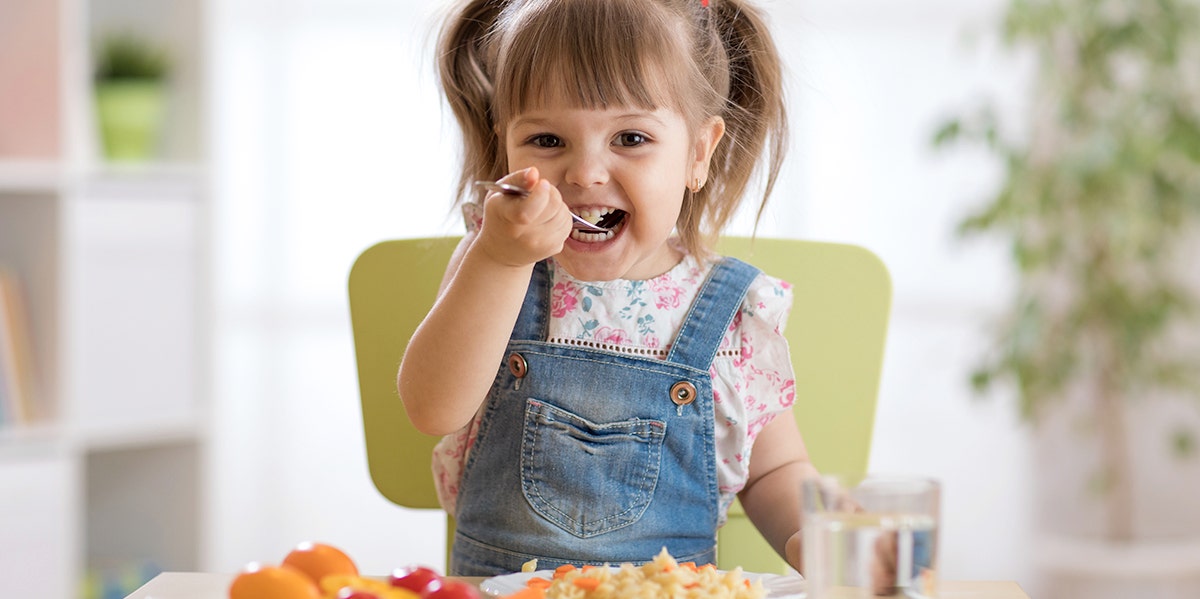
767 304
768 295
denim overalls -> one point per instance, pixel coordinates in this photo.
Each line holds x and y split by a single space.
591 456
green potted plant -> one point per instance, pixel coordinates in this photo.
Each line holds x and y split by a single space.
1099 200
130 88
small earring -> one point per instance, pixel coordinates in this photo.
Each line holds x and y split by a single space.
696 185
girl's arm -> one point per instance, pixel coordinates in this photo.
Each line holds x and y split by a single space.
452 358
771 496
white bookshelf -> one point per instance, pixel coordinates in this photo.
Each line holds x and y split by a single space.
112 264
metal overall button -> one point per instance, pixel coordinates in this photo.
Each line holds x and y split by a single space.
683 393
517 365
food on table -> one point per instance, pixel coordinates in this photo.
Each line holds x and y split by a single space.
257 581
319 560
415 578
320 571
349 593
451 589
660 578
345 587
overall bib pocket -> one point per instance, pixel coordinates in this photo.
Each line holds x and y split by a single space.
588 478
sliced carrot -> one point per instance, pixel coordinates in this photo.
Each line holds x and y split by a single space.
537 582
585 583
689 566
562 570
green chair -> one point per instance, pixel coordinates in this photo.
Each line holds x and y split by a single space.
836 334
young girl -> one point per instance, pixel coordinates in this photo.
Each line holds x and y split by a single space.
605 395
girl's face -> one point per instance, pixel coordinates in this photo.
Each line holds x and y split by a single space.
627 159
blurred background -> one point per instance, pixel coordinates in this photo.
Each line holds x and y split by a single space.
188 397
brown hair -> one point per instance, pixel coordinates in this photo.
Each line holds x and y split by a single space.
497 58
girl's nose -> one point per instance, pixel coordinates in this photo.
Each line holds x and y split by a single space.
586 169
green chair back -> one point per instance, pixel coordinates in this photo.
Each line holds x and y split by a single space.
836 333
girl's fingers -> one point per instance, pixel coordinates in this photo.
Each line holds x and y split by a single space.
883 566
538 204
524 229
548 201
524 178
542 207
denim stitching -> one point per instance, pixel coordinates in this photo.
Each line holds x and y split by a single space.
651 366
537 412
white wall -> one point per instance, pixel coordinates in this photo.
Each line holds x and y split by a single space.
330 136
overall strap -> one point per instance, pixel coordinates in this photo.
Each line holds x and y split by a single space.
719 299
533 324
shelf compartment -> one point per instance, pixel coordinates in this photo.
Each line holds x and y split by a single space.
143 505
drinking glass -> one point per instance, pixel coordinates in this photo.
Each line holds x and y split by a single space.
875 537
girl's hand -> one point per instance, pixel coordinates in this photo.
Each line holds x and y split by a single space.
521 231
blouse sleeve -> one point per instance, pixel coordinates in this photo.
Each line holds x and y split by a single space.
764 364
472 213
753 380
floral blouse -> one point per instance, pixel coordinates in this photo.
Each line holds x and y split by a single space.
752 372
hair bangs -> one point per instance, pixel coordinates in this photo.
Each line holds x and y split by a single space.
594 54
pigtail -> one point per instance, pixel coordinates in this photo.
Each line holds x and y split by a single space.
467 83
754 112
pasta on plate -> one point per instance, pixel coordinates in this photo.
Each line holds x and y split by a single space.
660 578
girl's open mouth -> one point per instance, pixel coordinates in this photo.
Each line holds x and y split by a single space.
611 219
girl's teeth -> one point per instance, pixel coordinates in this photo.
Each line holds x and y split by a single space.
593 216
593 236
588 237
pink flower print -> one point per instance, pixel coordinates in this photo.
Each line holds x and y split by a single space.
757 425
563 299
612 336
787 395
753 405
668 294
651 341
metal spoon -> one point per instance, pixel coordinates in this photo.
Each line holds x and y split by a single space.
513 190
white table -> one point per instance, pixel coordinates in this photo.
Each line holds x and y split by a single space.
198 585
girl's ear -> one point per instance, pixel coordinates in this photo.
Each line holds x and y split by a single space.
708 136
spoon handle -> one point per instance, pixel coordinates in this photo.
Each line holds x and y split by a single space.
504 188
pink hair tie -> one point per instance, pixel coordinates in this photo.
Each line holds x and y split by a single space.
704 3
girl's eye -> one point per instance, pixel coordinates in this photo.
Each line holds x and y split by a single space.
545 140
631 139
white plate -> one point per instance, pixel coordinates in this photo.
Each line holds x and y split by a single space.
778 586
